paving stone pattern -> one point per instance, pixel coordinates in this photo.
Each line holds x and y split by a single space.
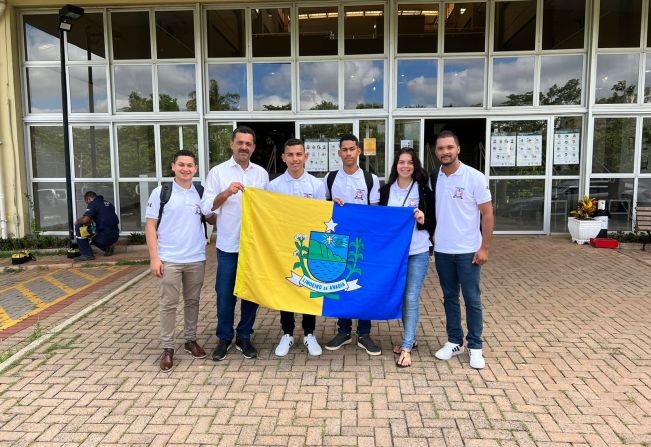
45 290
15 304
567 342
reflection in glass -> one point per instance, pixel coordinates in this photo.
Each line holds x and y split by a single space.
44 89
531 133
465 27
645 156
618 194
418 27
616 80
272 86
364 29
104 189
647 78
463 83
177 88
560 80
644 192
406 134
227 87
86 38
364 84
173 139
225 33
46 144
324 133
513 81
130 31
91 146
136 148
613 148
133 88
50 206
41 37
515 25
563 24
319 86
619 23
518 204
88 89
271 32
373 129
568 139
219 140
174 34
565 194
416 83
133 204
317 31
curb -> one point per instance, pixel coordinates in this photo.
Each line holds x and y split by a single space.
66 265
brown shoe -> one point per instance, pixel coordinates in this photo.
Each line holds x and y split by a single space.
193 348
167 361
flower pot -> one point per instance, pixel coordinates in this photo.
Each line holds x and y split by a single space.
582 230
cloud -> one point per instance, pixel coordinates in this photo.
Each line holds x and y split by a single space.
44 89
177 81
463 83
612 68
558 70
364 82
131 78
318 83
259 101
512 75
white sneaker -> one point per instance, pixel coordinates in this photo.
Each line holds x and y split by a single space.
476 359
312 345
286 342
448 351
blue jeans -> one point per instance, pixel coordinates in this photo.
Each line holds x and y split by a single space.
346 326
224 285
456 271
416 272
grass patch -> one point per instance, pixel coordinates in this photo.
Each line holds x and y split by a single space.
54 347
127 262
10 270
37 333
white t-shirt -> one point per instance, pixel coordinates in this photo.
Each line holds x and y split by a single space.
420 238
181 238
229 215
305 186
352 188
458 197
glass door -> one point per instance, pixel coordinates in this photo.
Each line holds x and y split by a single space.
322 145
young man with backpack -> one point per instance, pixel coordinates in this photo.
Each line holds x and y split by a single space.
351 184
177 253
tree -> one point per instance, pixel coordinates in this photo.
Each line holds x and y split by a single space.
519 99
229 101
167 104
139 104
570 93
325 105
622 94
287 106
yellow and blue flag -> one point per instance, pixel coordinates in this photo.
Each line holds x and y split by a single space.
319 258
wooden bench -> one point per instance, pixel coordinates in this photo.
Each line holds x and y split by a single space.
643 223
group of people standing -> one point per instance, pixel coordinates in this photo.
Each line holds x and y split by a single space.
448 208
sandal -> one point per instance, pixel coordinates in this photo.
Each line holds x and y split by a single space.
398 349
404 360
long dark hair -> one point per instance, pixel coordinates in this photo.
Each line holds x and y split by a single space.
420 175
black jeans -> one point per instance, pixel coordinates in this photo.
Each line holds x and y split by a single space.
287 322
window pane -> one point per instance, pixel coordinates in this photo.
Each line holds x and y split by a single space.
513 81
44 89
518 147
644 192
130 32
465 27
227 87
618 194
563 24
272 86
319 86
416 83
406 134
645 160
133 88
565 194
219 140
364 84
375 131
41 37
515 26
172 140
317 31
567 145
270 28
463 83
174 34
418 27
226 33
88 90
133 204
51 206
91 146
86 38
322 144
364 29
104 189
46 143
614 145
647 79
619 23
560 80
616 80
177 88
518 205
136 149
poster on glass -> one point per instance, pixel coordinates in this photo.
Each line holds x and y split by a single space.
317 160
503 149
529 149
567 147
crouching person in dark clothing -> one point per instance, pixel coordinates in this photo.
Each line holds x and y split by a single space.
101 214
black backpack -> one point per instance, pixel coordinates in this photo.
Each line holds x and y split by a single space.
368 178
166 193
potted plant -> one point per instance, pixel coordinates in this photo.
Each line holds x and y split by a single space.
581 223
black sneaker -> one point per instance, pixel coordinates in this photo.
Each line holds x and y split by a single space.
366 342
246 348
220 351
83 258
338 342
109 251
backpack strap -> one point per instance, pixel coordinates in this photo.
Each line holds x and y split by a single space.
165 194
329 182
199 189
368 177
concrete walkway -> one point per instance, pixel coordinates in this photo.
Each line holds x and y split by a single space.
567 342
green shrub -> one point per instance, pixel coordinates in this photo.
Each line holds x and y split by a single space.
33 242
630 236
137 239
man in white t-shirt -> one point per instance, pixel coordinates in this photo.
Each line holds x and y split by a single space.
351 184
177 254
463 203
296 182
223 196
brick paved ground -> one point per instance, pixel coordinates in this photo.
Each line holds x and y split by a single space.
567 341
